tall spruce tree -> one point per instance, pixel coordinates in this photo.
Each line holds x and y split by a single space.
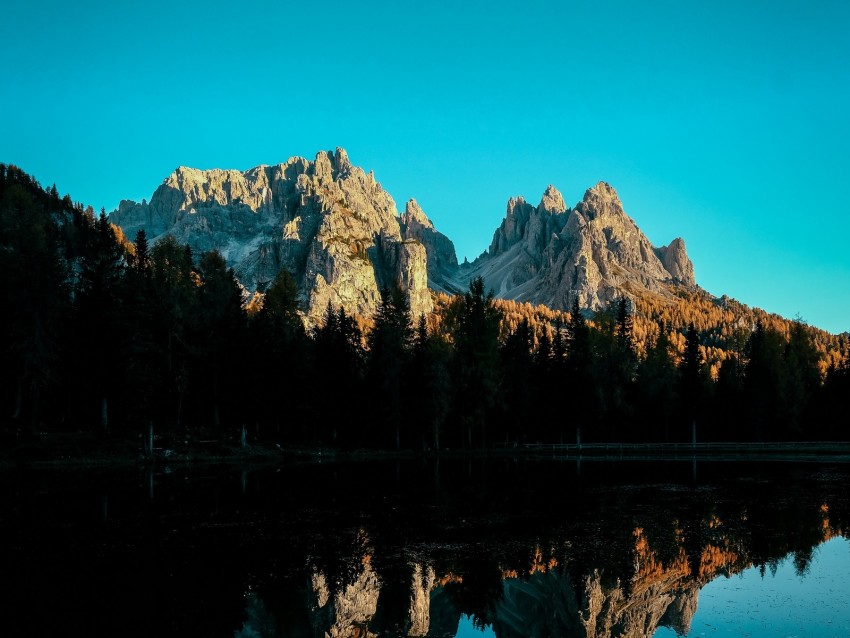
477 369
522 372
579 373
691 384
177 323
389 344
280 364
33 294
657 383
98 313
763 382
138 347
222 338
339 367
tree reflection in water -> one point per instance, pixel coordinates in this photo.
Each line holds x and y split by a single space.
415 548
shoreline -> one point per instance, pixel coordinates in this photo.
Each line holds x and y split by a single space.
84 450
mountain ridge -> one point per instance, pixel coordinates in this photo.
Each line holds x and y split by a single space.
341 235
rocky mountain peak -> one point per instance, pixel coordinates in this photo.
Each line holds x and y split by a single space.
442 259
594 253
340 234
552 201
600 200
326 221
341 164
676 261
413 214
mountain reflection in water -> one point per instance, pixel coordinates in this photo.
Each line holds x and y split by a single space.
414 548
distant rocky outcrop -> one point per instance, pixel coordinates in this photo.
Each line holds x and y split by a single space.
330 223
442 260
339 233
552 255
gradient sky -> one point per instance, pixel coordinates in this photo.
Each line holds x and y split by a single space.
725 123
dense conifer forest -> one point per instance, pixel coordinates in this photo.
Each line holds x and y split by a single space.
109 336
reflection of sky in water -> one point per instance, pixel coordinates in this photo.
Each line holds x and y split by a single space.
466 630
784 605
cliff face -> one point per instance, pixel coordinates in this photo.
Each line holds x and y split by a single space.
328 222
551 255
442 260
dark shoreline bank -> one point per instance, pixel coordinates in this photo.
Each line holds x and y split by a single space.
88 450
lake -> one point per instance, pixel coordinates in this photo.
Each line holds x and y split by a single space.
449 547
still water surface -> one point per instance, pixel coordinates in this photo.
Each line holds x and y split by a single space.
440 548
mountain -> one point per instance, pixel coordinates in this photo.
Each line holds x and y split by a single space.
551 255
328 222
340 234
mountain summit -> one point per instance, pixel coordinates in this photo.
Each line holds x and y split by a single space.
340 234
551 255
328 222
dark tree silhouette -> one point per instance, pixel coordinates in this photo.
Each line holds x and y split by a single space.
477 369
389 344
657 382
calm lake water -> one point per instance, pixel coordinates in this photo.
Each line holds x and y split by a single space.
441 548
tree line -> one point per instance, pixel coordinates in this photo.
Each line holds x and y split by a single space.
101 334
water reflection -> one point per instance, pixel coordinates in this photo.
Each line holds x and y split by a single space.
761 602
503 548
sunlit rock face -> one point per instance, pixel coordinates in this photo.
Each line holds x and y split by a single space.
327 221
545 601
346 612
335 228
442 260
595 253
420 600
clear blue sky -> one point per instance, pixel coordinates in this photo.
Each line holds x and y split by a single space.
726 123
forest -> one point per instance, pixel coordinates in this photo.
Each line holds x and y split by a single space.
105 335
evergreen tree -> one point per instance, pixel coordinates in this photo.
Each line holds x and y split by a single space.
692 390
222 328
339 370
522 371
138 347
579 370
176 291
763 382
802 380
430 385
477 370
831 412
657 382
98 314
728 411
33 294
280 362
556 384
389 344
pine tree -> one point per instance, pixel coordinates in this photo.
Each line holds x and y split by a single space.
98 312
430 385
280 362
579 371
521 371
691 382
138 348
477 370
657 382
802 379
763 381
177 320
339 366
33 294
222 328
389 344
